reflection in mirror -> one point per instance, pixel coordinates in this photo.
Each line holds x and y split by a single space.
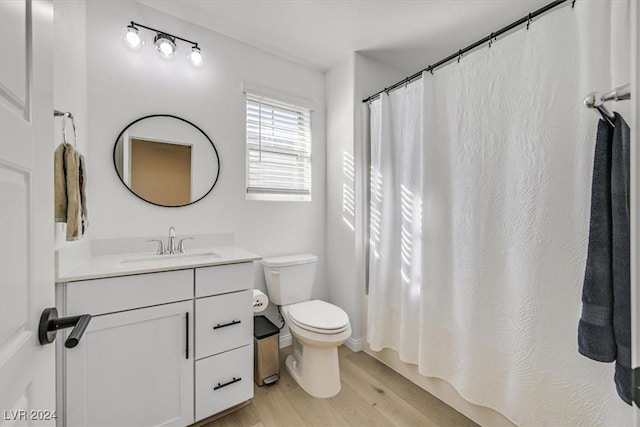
166 160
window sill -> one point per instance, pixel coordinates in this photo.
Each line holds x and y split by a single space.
279 197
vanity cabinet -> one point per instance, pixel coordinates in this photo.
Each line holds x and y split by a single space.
155 354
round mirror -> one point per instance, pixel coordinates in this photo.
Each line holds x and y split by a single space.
166 160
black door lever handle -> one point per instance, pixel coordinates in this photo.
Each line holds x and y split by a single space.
50 323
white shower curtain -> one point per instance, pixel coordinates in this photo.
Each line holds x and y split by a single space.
480 195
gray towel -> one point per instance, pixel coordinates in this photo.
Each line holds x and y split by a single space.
604 332
595 331
620 171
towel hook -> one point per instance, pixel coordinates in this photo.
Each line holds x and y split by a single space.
65 115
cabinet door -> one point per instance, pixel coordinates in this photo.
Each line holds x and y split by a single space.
133 368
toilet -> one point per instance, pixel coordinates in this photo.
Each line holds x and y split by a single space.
317 327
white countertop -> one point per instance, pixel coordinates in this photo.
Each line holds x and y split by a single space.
101 266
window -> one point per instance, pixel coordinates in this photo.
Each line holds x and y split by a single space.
278 150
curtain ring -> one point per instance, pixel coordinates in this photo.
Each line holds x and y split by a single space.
406 82
430 69
528 20
459 55
490 39
573 3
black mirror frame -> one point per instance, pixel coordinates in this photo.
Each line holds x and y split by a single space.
173 117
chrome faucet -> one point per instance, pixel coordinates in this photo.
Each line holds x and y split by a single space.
171 243
171 247
161 250
181 244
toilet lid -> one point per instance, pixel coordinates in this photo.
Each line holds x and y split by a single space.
318 314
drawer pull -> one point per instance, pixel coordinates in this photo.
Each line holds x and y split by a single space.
234 380
187 334
233 322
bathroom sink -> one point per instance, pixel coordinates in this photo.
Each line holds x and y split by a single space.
167 260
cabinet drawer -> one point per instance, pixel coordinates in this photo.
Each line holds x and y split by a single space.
112 294
222 279
223 322
223 381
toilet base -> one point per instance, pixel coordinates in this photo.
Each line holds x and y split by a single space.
318 372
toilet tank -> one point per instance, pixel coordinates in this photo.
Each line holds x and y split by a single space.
289 278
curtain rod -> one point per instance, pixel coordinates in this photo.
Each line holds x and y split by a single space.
527 19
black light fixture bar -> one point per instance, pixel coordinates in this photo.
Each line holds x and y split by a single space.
135 24
457 55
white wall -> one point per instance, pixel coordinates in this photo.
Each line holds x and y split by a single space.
69 80
347 84
371 77
125 85
340 81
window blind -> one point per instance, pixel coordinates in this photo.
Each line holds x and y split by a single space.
278 148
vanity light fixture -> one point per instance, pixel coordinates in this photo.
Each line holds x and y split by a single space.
132 38
195 56
164 43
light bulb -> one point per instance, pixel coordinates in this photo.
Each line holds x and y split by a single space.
165 45
132 38
195 56
165 48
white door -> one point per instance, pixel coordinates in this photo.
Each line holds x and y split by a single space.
27 369
133 368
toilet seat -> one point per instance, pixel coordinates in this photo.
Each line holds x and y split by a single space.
318 316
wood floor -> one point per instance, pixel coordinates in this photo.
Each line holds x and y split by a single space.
372 395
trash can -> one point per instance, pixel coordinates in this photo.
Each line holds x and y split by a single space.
266 340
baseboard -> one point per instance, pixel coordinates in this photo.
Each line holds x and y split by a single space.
354 345
285 340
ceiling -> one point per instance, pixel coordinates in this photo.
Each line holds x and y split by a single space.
407 35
